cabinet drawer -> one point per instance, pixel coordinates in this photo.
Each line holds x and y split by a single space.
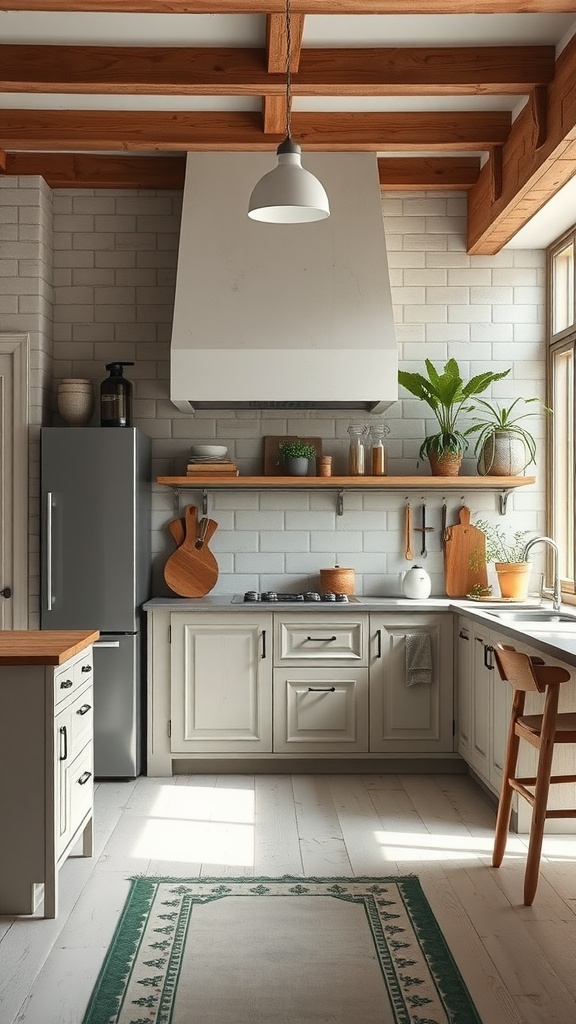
74 674
321 709
320 639
76 796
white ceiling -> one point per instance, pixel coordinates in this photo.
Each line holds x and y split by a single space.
319 31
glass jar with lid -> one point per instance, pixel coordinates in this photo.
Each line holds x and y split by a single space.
378 453
356 451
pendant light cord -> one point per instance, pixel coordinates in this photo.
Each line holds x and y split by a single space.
288 73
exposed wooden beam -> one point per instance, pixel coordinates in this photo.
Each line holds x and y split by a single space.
3 160
412 71
535 165
78 170
299 6
415 173
85 130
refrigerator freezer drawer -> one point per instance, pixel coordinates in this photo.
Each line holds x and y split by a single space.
117 706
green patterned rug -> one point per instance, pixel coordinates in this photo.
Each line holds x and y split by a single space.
279 951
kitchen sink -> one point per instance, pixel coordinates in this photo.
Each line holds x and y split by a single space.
535 616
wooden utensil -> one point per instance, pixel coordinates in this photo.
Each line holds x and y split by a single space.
192 572
464 556
408 552
177 528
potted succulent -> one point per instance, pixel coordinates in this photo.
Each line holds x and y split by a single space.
447 395
503 447
295 456
507 554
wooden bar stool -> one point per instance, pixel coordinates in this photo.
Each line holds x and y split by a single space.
543 732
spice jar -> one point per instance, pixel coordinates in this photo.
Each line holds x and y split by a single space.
378 453
356 451
324 465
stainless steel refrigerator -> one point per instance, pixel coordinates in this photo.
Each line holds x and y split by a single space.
96 571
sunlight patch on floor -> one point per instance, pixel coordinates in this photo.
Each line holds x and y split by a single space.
195 842
197 803
433 847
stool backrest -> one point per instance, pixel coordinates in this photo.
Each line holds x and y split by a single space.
525 673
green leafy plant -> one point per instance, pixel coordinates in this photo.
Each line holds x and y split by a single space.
296 450
447 395
498 418
499 546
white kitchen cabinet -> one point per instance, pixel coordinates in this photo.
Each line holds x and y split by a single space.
484 702
221 683
403 718
319 709
46 776
462 687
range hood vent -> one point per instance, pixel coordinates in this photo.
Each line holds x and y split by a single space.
282 316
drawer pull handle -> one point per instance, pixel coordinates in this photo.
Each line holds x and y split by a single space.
63 745
86 668
464 636
322 639
84 709
321 689
379 638
84 778
66 684
263 655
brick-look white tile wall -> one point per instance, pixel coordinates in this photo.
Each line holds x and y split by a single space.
115 259
26 307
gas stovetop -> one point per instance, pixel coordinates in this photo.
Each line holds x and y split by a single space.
310 597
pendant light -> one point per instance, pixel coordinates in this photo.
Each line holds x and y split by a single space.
289 194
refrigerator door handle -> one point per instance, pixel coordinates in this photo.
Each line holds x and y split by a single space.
49 595
106 643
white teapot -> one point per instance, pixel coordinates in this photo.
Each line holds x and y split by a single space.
416 583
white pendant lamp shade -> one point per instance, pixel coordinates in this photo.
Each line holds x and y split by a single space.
289 194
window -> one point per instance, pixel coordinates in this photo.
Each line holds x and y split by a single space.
562 341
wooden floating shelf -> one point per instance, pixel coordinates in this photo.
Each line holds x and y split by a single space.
502 484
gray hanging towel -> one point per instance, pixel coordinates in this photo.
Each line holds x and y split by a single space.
418 659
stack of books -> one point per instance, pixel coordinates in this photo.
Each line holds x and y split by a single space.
217 467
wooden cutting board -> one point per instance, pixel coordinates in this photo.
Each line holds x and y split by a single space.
192 570
464 556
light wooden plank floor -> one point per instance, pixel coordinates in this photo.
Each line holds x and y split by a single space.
518 962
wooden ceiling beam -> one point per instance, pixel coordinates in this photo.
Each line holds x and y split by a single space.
536 161
79 170
85 130
298 6
408 174
86 170
411 71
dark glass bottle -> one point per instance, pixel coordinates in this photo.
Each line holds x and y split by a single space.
116 398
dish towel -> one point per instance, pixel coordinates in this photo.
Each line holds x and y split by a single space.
418 659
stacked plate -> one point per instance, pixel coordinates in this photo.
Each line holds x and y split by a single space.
207 452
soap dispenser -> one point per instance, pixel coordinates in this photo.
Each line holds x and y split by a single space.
116 398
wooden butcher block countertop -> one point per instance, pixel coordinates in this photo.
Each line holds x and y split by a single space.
43 646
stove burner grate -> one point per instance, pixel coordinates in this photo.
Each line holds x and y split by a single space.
271 597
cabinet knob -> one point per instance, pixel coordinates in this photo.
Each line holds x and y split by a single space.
6 592
84 778
86 668
66 684
84 709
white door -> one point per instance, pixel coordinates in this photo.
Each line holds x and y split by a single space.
14 481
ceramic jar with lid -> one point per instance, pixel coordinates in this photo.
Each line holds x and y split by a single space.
416 584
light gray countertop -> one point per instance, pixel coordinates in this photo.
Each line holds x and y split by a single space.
560 645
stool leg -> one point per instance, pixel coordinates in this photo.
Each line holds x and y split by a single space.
541 795
508 772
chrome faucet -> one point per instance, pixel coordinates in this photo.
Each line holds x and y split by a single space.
556 591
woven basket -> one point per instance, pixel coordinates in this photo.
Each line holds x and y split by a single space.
337 580
447 464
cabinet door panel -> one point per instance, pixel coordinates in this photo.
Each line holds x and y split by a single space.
480 726
321 709
464 687
320 638
221 685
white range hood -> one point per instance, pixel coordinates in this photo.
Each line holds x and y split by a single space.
282 316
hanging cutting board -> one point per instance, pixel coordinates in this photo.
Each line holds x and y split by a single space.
192 570
464 556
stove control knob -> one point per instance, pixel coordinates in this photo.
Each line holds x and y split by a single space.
311 596
329 596
342 598
251 595
270 595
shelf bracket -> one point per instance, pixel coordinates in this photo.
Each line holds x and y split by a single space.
204 502
176 497
340 503
503 501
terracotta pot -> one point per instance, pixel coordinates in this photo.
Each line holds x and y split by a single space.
513 579
447 464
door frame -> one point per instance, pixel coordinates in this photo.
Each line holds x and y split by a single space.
17 346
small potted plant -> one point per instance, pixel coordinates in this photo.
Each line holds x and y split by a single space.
503 447
447 395
295 456
507 554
